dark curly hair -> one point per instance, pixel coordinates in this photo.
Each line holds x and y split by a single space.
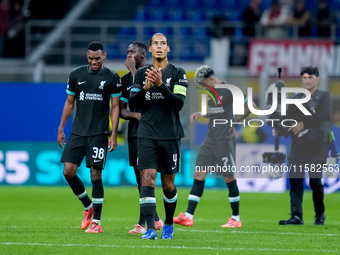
311 70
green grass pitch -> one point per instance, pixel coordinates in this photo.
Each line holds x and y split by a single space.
46 220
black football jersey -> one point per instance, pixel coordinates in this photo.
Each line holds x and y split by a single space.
160 117
224 111
93 92
127 81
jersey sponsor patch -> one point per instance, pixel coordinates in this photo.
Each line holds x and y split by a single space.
178 89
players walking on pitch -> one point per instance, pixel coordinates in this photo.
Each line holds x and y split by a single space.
159 90
136 58
218 148
92 87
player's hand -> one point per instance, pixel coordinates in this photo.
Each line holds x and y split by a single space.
194 117
130 63
137 116
155 76
61 138
112 143
299 127
274 132
148 84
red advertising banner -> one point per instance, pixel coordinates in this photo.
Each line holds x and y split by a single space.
291 55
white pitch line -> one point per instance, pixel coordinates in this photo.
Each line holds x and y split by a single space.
223 231
168 247
256 232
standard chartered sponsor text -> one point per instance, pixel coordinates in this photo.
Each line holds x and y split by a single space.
94 96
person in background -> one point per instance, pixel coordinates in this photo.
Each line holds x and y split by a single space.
135 59
218 148
309 147
274 21
251 16
301 18
325 18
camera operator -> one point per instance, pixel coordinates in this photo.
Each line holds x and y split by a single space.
309 149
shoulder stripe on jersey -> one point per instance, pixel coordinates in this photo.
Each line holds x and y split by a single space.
179 89
135 90
124 99
116 95
70 92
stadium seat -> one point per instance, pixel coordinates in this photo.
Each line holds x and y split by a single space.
175 15
193 15
128 31
312 5
232 15
155 3
149 31
116 50
209 4
162 4
168 31
156 14
189 53
209 14
140 14
190 3
185 32
228 4
201 32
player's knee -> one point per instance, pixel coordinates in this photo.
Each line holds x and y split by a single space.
69 170
148 180
168 186
200 176
68 173
96 174
229 179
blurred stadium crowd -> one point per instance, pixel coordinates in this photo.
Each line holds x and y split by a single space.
240 20
15 13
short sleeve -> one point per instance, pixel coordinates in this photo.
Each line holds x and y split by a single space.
125 91
116 84
71 84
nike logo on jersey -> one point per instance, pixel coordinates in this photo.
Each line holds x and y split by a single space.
96 160
128 88
81 82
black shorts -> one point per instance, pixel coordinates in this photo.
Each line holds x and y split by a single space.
93 148
162 155
217 158
133 146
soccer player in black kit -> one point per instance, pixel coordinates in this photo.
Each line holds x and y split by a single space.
218 148
136 58
92 87
159 90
